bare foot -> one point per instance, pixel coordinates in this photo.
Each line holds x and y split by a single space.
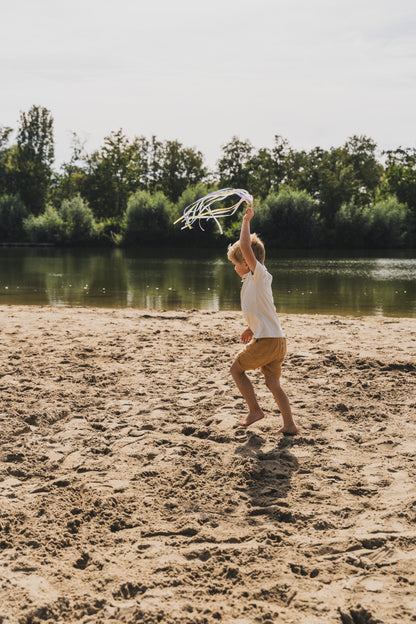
291 430
250 419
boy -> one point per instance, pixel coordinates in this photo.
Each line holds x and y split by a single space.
265 340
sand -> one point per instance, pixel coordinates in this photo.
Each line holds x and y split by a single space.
128 493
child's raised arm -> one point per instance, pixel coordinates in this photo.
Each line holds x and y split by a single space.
245 239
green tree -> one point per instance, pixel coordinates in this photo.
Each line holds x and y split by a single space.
280 152
350 228
12 215
148 218
78 219
388 224
35 155
336 183
112 174
179 167
47 227
268 170
261 175
233 167
202 233
325 175
382 225
400 174
303 170
122 167
288 219
367 171
70 224
190 195
5 132
5 185
341 175
70 180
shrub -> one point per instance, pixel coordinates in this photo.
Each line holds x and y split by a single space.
48 227
72 223
288 219
79 223
12 214
382 225
388 223
110 230
189 196
350 228
197 236
148 218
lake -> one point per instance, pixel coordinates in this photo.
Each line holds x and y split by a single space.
313 282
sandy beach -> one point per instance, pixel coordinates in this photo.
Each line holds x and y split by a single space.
128 493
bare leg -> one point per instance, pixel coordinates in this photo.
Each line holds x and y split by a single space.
246 388
283 403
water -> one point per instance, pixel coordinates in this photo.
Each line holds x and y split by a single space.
325 284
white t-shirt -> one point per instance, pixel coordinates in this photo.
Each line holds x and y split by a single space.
257 304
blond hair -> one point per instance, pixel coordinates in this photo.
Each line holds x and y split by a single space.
235 254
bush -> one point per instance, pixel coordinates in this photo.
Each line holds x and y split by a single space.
190 195
148 218
388 224
350 228
48 227
72 223
110 230
12 214
383 225
197 236
288 219
79 223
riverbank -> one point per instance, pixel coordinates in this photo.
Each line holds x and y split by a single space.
359 285
128 494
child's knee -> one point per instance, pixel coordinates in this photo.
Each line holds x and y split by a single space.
235 369
271 381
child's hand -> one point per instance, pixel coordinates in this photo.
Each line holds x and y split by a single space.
246 336
249 213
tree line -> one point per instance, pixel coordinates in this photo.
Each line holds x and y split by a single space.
130 191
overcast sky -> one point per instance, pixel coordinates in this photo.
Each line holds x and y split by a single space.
313 71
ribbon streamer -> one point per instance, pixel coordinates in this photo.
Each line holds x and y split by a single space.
202 208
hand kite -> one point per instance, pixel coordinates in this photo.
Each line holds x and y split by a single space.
201 209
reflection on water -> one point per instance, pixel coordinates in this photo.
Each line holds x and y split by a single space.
205 280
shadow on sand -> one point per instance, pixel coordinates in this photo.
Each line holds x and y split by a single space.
268 476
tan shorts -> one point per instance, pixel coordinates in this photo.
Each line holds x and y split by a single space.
264 353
